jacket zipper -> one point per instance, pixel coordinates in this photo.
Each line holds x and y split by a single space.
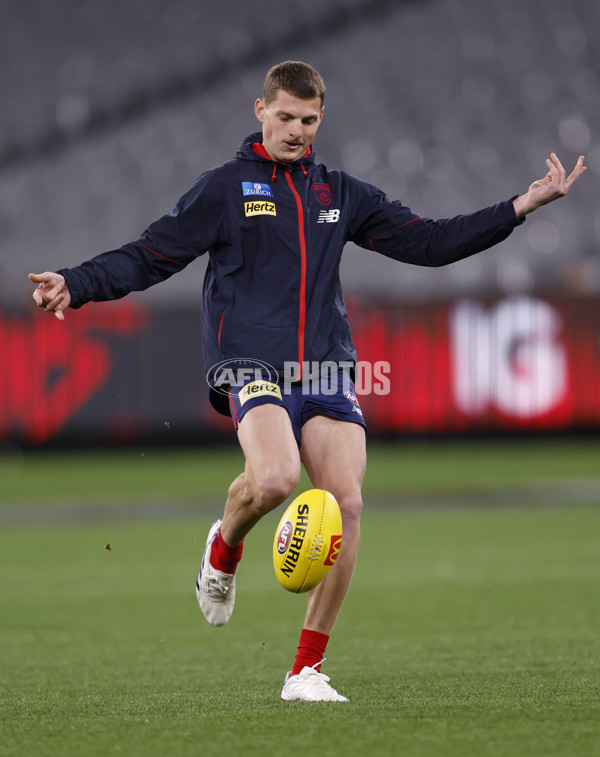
220 329
302 239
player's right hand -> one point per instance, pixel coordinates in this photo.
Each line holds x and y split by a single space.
51 293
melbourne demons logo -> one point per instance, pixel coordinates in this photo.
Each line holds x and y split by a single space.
322 193
334 550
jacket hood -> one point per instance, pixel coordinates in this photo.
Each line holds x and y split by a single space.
246 151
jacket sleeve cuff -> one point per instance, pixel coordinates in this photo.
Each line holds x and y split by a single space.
517 221
74 291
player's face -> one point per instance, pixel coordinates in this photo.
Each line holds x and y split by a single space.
289 125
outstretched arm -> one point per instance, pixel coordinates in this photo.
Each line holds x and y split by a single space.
51 293
555 184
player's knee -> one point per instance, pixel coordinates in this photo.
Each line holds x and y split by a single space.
275 485
351 508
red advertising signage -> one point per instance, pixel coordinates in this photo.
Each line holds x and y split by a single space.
122 372
519 362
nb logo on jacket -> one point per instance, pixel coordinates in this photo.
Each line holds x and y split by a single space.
329 216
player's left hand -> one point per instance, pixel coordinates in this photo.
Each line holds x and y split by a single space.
555 184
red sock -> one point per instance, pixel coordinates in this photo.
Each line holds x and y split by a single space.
224 557
310 650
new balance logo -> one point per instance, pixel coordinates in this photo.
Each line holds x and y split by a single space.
329 216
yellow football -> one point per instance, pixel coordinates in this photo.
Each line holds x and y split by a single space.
307 541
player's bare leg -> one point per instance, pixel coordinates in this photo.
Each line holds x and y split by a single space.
334 455
271 473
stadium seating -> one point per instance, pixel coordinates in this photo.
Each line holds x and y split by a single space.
112 109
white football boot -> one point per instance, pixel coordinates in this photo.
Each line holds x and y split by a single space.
215 590
309 686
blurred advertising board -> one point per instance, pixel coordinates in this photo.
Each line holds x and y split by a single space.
125 373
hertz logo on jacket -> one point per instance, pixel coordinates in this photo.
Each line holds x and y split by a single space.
260 208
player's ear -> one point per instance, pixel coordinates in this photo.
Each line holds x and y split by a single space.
259 109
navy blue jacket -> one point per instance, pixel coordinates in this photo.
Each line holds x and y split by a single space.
275 234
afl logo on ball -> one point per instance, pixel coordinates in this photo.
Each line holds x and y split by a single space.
284 537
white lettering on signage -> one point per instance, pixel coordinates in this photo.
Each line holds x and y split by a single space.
510 357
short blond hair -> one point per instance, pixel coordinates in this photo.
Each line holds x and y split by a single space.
296 78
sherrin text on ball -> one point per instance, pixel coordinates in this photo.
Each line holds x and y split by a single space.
307 540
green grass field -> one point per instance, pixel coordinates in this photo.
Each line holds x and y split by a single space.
471 628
